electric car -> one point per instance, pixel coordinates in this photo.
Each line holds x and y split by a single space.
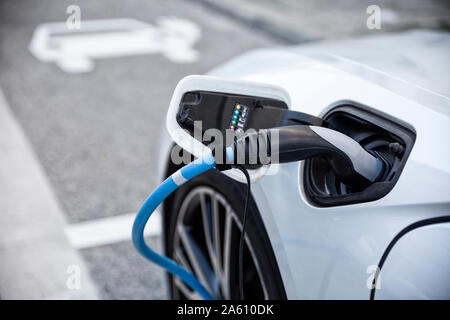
308 234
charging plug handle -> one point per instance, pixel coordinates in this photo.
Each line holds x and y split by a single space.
351 163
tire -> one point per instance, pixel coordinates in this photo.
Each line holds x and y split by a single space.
214 260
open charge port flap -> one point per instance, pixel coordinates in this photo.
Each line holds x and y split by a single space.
387 138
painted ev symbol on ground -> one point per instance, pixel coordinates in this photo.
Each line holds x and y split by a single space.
74 50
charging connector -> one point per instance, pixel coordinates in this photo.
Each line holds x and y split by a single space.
349 160
286 144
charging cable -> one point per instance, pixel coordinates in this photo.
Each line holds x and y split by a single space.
349 160
241 241
169 185
411 227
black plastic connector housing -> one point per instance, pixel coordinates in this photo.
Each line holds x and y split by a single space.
215 110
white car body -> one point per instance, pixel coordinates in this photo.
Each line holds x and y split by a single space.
331 253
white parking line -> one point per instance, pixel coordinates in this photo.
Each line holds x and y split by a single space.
109 230
35 255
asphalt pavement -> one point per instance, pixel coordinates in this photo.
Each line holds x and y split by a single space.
96 134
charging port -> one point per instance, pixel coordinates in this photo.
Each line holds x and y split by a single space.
385 137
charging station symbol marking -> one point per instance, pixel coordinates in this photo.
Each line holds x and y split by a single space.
74 50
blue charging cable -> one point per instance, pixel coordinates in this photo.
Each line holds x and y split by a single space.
169 185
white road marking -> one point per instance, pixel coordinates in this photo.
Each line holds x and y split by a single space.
34 251
74 50
109 230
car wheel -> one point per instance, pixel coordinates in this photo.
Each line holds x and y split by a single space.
203 232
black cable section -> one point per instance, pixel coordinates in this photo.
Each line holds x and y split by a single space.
415 225
241 242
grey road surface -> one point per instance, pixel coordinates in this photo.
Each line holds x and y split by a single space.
97 134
